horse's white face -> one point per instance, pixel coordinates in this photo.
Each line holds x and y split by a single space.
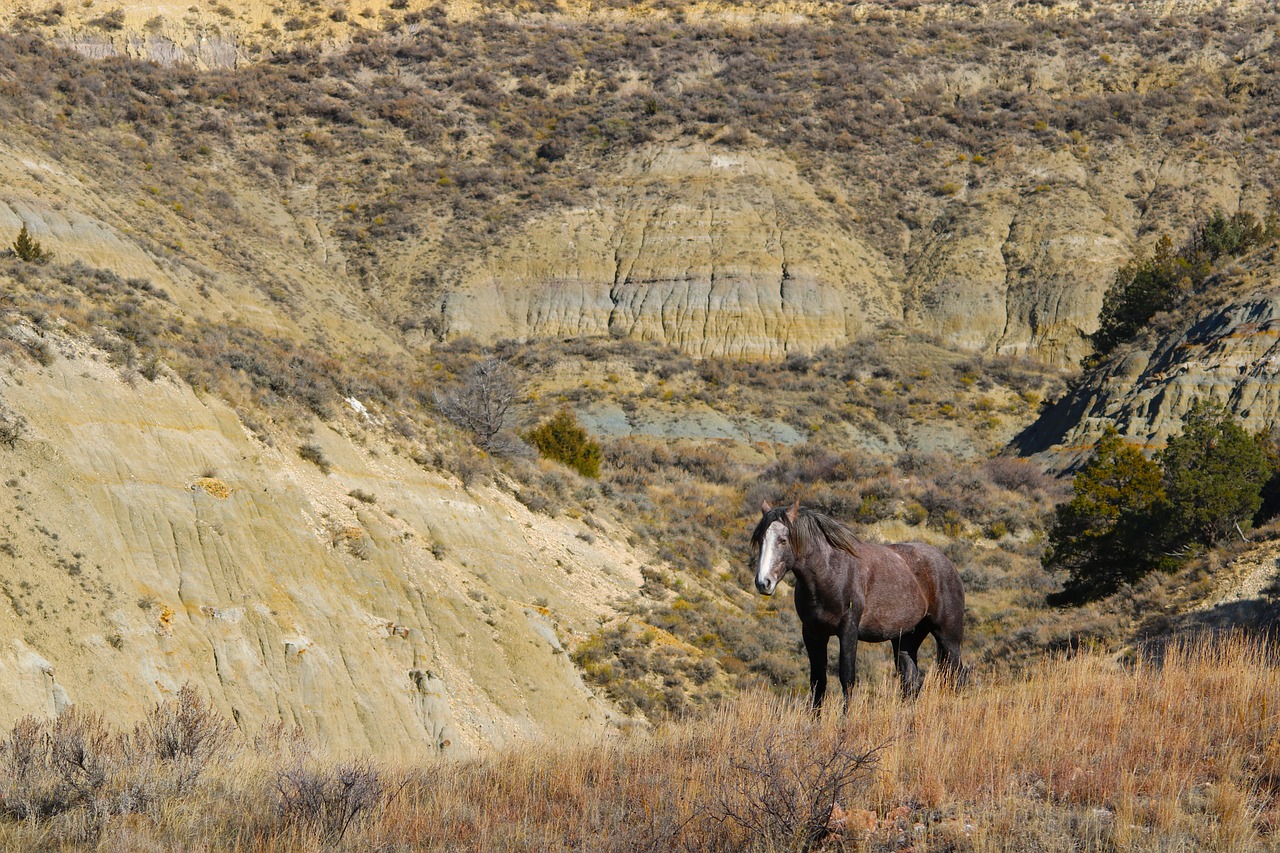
775 556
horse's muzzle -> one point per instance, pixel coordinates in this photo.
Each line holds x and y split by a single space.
766 587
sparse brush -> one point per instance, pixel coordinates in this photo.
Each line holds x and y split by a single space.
321 805
13 428
1178 749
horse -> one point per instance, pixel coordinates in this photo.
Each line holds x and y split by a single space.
859 590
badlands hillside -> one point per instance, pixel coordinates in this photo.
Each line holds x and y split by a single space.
756 249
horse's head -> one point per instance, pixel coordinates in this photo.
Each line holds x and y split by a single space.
773 537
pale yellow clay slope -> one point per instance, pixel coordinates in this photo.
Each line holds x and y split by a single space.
149 541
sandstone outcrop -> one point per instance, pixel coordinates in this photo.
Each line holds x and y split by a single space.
733 252
719 252
1223 347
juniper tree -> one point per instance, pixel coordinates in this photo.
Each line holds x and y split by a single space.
1109 533
1214 472
29 249
563 439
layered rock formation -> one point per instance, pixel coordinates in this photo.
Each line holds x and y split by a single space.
1223 347
719 252
732 252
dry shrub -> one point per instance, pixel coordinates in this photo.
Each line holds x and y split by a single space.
13 428
74 773
1019 475
1080 753
180 738
321 804
1179 752
786 784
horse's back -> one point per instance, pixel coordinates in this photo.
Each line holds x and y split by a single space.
937 576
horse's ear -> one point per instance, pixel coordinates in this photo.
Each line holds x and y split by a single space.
794 511
765 507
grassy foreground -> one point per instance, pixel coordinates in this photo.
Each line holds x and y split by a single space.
1073 754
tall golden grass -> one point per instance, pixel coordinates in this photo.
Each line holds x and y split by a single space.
1181 753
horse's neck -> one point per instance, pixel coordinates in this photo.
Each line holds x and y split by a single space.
825 567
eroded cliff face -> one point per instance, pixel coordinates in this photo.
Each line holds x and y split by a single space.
149 541
1224 347
726 251
717 251
285 200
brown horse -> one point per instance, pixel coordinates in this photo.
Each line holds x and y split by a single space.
858 590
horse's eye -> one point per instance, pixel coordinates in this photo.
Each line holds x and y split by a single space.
782 540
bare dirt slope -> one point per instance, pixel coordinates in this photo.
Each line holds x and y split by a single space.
151 541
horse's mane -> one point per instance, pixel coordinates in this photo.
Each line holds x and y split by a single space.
811 523
808 526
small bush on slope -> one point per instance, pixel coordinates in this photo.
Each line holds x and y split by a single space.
563 439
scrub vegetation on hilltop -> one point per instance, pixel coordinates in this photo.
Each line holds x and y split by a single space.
438 135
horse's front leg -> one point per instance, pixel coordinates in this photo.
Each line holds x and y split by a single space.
848 655
815 643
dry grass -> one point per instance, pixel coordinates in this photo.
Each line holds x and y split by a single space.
1086 753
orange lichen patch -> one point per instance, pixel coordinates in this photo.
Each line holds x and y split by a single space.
166 620
394 630
1145 446
349 533
212 486
1249 330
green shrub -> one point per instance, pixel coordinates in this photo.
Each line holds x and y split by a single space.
1106 534
1214 472
28 249
1141 289
1228 236
563 439
1148 285
1131 514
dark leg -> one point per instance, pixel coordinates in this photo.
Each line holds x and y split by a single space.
905 649
815 643
949 666
848 657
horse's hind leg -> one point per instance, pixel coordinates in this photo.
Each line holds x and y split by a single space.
904 659
950 666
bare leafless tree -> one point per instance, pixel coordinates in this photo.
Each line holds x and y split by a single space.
482 403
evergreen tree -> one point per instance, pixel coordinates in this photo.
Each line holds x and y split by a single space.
563 439
1109 532
29 249
1140 290
1214 472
